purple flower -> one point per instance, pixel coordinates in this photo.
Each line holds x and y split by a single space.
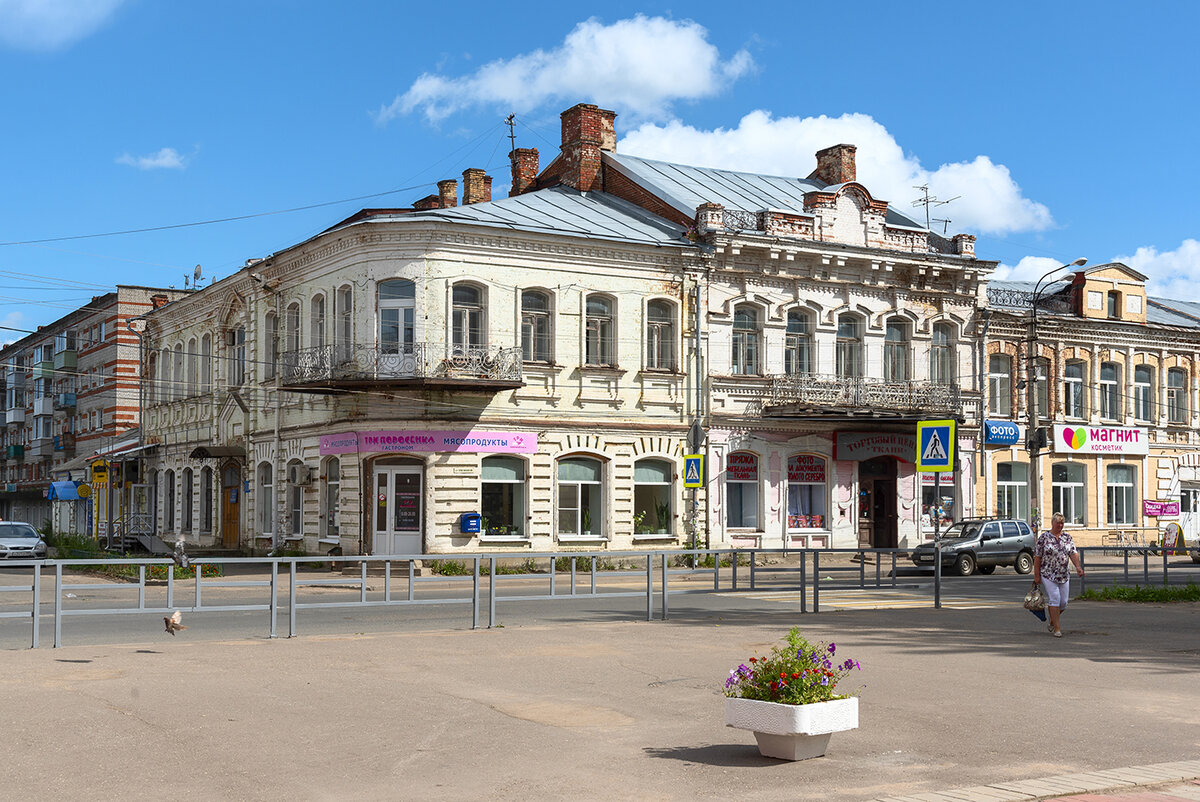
824 680
832 648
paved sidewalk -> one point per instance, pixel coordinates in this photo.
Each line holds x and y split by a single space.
954 705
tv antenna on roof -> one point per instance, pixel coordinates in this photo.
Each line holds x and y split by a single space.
928 200
196 276
945 224
512 138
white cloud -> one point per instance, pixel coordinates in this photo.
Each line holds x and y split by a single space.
1172 274
638 65
52 24
991 201
167 158
1030 268
13 326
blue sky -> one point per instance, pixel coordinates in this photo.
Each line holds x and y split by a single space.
1067 129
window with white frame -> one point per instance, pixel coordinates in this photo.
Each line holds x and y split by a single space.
741 490
343 336
652 494
849 346
266 499
660 335
1177 396
1143 393
941 354
331 499
747 339
193 368
1000 385
580 497
468 323
536 337
1121 495
1041 371
1074 389
798 348
291 328
297 474
151 382
270 345
1110 395
316 321
188 500
206 363
807 482
1114 304
599 332
1067 491
1012 490
896 346
238 374
177 391
502 496
397 301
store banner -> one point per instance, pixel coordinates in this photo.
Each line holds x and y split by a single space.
415 440
1082 439
859 446
742 467
1001 432
1155 509
806 469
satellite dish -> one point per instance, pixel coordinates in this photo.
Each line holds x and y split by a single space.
196 275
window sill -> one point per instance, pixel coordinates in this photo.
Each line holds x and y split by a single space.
503 539
614 369
582 539
264 536
810 531
653 536
332 541
293 538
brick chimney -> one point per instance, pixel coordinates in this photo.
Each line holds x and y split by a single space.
477 186
448 193
428 202
835 165
586 130
158 301
524 169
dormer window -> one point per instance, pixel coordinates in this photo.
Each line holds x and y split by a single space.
1114 304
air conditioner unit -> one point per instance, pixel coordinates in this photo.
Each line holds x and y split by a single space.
300 476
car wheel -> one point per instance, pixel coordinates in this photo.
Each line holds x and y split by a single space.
964 564
985 569
1024 563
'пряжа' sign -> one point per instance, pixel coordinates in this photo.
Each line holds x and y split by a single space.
418 440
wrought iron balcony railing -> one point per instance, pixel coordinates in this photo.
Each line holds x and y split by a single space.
864 395
333 364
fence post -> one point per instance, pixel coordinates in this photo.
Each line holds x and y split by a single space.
1146 566
412 580
862 570
816 581
649 587
803 582
492 593
57 605
573 576
733 558
291 597
593 575
199 569
1164 556
664 586
274 594
1126 566
1082 567
362 584
893 569
387 580
475 593
142 585
552 568
37 602
753 565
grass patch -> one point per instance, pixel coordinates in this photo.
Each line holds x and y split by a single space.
1153 594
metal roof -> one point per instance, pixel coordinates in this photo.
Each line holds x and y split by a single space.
685 187
1159 311
562 210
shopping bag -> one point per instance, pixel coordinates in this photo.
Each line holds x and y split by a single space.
1035 601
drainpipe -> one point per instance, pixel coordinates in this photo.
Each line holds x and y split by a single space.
986 316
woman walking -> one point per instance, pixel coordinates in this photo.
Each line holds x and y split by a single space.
1055 549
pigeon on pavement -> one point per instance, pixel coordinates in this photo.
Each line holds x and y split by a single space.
172 622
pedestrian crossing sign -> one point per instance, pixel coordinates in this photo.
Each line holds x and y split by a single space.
935 445
693 470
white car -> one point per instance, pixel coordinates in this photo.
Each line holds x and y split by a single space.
20 541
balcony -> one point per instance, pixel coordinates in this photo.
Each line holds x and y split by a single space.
64 401
14 376
15 415
66 359
41 448
43 369
14 452
43 405
330 367
65 442
812 394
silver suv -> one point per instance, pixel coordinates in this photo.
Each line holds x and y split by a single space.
982 543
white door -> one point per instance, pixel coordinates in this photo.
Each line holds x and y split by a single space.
1189 514
398 510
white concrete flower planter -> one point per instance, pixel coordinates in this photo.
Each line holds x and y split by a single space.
792 732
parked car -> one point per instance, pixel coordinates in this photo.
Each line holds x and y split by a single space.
20 541
983 544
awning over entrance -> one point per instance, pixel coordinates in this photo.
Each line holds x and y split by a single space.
216 452
63 491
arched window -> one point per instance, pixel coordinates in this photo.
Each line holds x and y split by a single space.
896 347
316 321
397 300
536 335
193 368
206 364
1074 389
177 372
797 349
806 492
297 476
169 499
652 495
1143 393
580 498
741 490
1177 396
1066 485
1041 371
237 343
600 326
343 336
849 346
206 500
1111 407
1012 490
270 345
291 325
331 499
660 336
151 380
188 500
941 354
1000 385
468 322
266 499
1121 493
502 497
747 338
164 376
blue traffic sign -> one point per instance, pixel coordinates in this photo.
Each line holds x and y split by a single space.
935 445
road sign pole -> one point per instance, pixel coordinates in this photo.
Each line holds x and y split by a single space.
937 541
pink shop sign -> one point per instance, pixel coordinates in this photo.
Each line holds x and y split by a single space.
1156 508
411 440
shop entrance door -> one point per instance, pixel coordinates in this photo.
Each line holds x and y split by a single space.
231 481
1189 513
877 502
398 513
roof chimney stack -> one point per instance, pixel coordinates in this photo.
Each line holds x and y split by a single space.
524 170
835 165
586 131
448 193
477 186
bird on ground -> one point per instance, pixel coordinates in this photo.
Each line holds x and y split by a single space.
172 622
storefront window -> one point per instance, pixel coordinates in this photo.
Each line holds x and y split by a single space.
331 498
741 487
1121 492
1068 492
502 502
652 497
266 500
806 493
1012 490
580 498
937 503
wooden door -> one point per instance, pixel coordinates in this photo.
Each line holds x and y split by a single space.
231 502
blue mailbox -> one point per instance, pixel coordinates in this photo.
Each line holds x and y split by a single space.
469 522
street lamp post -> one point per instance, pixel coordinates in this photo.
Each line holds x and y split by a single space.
1033 441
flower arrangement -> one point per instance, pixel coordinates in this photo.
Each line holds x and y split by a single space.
794 673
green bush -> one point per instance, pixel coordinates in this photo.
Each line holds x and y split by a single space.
1186 593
